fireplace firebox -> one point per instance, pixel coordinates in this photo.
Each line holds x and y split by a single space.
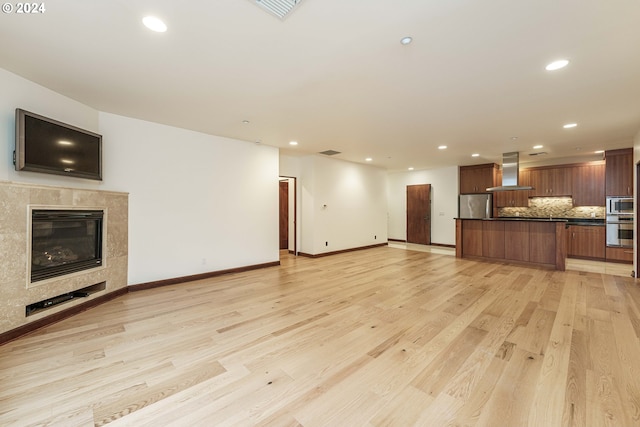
64 241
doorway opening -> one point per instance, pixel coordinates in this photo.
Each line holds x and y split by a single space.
288 232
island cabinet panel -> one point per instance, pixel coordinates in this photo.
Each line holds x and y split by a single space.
516 244
588 184
619 172
522 241
493 239
586 242
477 178
542 242
472 238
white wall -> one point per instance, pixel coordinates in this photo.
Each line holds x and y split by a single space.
215 200
444 202
344 205
197 202
17 92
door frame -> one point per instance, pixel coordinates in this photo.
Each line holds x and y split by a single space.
636 254
293 219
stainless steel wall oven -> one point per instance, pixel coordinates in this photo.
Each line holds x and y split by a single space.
619 205
620 222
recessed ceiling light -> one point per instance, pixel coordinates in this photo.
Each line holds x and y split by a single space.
537 147
599 151
293 143
442 147
368 159
63 142
410 169
556 65
67 161
513 138
154 24
406 40
475 155
246 122
570 125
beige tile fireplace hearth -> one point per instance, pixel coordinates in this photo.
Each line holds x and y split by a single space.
15 284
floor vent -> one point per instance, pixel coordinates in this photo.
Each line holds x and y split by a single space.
279 8
330 152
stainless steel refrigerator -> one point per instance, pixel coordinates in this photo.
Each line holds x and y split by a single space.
475 206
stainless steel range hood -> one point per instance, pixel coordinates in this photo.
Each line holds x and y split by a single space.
510 167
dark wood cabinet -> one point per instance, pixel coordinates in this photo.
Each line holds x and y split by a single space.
472 238
477 178
516 244
586 242
623 255
542 242
550 181
514 198
533 242
493 239
619 172
588 184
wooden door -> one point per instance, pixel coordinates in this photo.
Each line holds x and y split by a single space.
419 214
284 215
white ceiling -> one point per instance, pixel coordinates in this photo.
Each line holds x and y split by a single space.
333 74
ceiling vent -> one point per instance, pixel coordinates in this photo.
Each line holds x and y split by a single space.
279 8
540 153
330 152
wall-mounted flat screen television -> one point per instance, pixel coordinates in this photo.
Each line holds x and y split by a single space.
49 146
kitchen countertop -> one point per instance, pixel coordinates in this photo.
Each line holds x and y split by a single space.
568 221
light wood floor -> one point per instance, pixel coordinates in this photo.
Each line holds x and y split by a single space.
381 337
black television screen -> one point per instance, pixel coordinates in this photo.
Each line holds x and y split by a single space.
49 146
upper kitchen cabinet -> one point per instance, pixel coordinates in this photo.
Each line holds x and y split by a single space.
477 178
619 172
514 198
588 184
552 181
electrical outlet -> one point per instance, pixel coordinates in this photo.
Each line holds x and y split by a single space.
593 214
326 243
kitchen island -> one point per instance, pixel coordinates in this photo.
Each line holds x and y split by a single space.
541 242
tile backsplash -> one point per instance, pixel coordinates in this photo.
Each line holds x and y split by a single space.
556 207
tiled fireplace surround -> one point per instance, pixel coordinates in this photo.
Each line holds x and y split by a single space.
16 291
